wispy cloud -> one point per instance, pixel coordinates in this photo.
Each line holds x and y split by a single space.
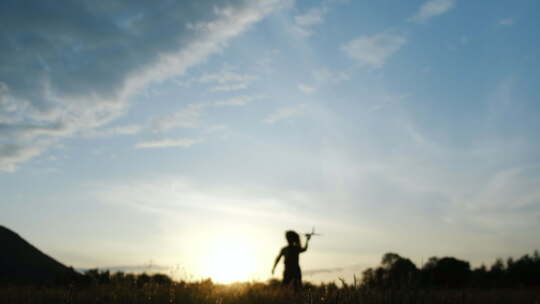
306 89
169 143
241 100
227 79
374 50
316 271
284 113
230 87
216 128
303 23
506 21
94 87
13 153
432 8
192 115
169 195
188 117
384 100
130 129
324 76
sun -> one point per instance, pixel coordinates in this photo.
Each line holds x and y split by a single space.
230 261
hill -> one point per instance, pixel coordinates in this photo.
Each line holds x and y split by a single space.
21 262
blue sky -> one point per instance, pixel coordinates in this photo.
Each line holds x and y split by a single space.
192 132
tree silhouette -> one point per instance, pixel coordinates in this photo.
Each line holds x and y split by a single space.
446 272
396 271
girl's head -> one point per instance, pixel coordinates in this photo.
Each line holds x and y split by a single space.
292 238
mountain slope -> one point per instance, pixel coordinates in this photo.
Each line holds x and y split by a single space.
20 262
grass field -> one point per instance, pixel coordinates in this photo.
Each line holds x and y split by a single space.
243 293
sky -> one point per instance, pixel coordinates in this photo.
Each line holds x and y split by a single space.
188 136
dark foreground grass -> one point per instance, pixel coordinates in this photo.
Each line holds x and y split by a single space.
205 292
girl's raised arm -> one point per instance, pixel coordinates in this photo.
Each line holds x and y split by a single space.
307 242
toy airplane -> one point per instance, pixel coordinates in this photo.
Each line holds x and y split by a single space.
312 233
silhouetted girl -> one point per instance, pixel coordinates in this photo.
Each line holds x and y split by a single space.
292 275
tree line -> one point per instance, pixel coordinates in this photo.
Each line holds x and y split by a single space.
105 277
396 271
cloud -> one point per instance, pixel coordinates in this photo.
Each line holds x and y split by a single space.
170 195
68 67
384 100
303 23
506 21
191 115
374 50
216 128
13 153
230 87
432 8
325 76
169 143
30 130
131 129
306 88
284 113
236 101
310 272
227 79
312 16
188 117
316 271
265 64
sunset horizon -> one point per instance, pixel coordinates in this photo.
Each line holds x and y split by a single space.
190 136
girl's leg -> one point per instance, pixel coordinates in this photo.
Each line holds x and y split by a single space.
287 278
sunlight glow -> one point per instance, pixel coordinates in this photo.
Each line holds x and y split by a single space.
230 260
